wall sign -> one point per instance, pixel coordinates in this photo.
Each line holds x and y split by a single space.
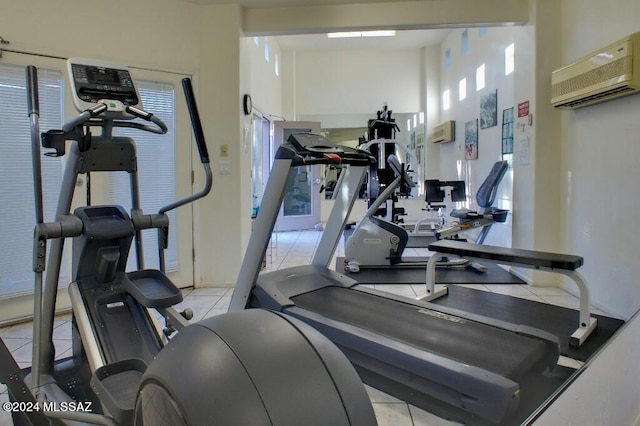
523 109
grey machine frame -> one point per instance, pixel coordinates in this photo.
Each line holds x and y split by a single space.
467 364
103 153
119 372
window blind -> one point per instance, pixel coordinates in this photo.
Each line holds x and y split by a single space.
156 172
17 206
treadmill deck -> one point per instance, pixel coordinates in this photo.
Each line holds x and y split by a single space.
470 342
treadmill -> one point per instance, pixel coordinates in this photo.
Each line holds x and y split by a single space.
460 365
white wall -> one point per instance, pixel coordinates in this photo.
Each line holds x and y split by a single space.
606 392
225 215
601 154
154 34
488 50
355 82
166 35
265 86
431 102
599 175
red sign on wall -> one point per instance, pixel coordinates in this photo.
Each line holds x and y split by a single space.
523 109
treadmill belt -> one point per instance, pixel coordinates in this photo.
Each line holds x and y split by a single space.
492 348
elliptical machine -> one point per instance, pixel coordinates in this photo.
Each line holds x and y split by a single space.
380 243
119 372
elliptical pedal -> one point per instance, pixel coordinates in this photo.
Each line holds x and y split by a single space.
117 387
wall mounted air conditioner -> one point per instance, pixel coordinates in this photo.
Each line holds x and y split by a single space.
444 132
606 74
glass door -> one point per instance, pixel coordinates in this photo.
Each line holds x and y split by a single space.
260 159
301 205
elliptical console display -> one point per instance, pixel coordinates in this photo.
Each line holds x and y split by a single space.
96 82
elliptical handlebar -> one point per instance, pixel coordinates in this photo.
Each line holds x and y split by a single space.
161 127
201 143
33 101
195 120
84 117
89 116
202 148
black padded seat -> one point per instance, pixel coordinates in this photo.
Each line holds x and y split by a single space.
502 254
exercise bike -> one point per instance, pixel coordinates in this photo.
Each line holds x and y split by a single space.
253 367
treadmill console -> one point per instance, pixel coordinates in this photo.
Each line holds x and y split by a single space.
95 82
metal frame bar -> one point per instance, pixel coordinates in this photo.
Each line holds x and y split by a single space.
587 323
347 194
261 234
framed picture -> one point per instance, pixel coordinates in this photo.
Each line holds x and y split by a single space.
489 110
507 131
471 140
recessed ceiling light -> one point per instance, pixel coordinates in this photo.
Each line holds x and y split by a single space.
357 34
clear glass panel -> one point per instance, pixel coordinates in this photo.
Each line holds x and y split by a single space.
297 199
257 171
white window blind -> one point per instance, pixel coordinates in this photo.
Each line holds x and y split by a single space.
156 172
17 207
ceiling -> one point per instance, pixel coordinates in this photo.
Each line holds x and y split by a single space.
279 3
408 39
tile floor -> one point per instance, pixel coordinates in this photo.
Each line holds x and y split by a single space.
288 249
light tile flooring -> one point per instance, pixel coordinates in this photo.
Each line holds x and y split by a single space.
287 249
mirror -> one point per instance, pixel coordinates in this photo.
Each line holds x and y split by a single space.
351 130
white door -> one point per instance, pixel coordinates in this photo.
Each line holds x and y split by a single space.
164 174
301 205
17 217
16 275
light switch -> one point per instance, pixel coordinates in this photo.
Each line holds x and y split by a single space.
223 168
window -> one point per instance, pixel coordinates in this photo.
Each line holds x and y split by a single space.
256 41
447 59
17 219
464 42
446 100
277 63
509 59
462 89
480 83
156 172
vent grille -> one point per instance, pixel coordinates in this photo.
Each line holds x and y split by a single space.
598 97
614 70
608 73
444 132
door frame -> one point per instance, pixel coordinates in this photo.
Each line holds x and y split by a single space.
291 222
20 307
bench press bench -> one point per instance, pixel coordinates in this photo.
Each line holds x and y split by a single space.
552 262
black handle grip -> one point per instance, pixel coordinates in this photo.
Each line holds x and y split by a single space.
195 120
33 102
